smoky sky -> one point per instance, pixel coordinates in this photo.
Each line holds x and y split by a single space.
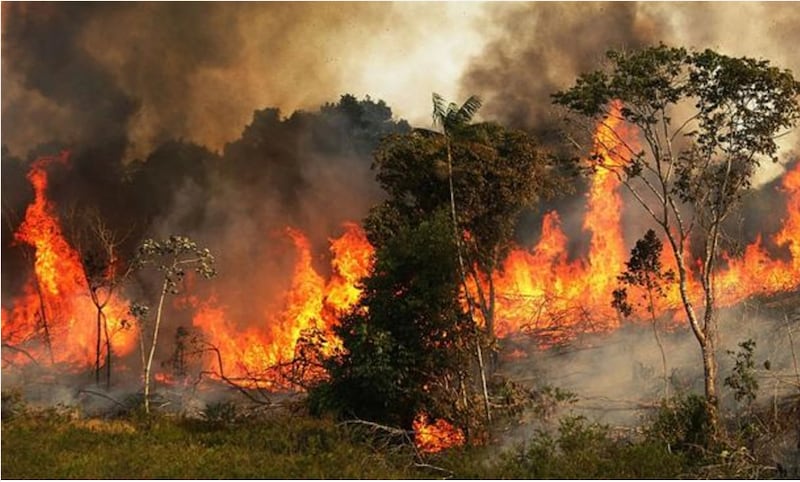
151 71
194 116
537 49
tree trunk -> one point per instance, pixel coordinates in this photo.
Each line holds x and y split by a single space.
149 364
483 376
45 324
108 351
710 368
462 269
705 335
658 342
98 344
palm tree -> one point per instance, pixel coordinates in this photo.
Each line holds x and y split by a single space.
452 119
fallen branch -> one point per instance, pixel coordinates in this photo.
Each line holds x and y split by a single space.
20 350
433 467
102 395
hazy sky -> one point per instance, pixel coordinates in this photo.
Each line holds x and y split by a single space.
151 71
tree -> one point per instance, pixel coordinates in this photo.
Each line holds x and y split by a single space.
644 271
492 174
407 342
707 121
171 258
99 249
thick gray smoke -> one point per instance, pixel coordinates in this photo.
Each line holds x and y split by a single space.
155 71
537 49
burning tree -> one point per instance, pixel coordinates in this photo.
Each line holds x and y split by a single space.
493 173
170 257
707 121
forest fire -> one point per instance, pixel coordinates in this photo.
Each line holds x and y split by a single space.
432 437
55 304
542 289
311 303
539 290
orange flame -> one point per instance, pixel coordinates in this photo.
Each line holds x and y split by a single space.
311 303
541 290
436 436
55 303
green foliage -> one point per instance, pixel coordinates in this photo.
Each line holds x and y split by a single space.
740 107
497 172
742 379
405 342
585 451
644 270
682 424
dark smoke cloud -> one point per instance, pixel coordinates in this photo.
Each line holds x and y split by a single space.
52 88
152 71
537 49
540 49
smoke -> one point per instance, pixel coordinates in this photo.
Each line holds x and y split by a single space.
155 71
617 377
537 49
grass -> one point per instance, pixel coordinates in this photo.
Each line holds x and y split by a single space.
50 445
56 444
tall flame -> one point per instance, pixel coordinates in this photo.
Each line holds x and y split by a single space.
55 306
311 303
539 290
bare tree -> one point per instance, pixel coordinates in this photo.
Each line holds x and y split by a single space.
104 273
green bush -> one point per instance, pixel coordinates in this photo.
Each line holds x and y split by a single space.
584 451
682 424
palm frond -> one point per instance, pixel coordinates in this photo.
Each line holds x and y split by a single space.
439 110
452 116
469 109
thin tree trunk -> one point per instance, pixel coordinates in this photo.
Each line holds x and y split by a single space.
149 364
710 330
99 340
658 342
108 351
457 239
45 325
483 376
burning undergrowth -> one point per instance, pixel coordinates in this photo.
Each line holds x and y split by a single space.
284 279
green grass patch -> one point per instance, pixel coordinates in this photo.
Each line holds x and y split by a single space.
53 446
